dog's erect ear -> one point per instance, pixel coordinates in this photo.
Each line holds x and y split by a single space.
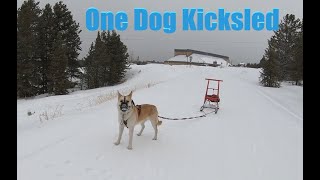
119 95
130 95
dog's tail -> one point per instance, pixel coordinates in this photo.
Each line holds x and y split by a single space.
157 117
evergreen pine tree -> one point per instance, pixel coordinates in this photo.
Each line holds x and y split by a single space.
27 54
105 58
88 76
262 61
57 72
283 42
297 65
118 59
93 64
269 76
69 30
47 36
100 57
112 65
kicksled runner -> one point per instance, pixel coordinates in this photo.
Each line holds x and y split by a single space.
212 99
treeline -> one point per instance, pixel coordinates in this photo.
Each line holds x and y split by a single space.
47 49
249 65
253 65
283 59
48 45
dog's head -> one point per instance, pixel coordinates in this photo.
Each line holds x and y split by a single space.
124 102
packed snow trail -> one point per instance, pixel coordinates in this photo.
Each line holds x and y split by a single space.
251 137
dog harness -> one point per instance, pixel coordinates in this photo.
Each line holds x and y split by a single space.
138 107
124 121
139 111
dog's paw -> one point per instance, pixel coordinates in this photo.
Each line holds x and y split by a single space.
154 139
138 134
130 148
116 143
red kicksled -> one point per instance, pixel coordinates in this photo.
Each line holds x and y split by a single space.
212 100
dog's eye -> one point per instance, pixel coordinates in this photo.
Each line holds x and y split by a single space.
121 101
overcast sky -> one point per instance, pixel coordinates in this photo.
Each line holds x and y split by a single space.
240 46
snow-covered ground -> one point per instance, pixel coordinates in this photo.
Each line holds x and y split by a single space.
198 58
256 135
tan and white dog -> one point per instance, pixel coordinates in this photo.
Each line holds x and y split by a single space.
130 115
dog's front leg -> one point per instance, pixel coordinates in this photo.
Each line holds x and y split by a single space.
131 129
121 127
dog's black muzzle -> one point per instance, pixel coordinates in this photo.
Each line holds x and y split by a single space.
124 107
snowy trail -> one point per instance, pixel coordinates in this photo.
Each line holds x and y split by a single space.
298 118
249 138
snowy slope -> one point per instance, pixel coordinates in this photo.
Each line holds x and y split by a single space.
257 133
201 59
